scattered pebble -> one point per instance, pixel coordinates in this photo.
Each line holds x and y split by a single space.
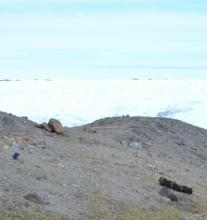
35 198
136 145
61 165
124 143
6 147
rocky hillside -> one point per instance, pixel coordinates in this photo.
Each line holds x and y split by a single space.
108 169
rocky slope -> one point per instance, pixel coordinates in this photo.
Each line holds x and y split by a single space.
105 170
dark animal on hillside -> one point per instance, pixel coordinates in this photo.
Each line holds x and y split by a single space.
174 186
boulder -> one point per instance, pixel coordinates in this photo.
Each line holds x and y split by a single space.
56 126
45 126
165 192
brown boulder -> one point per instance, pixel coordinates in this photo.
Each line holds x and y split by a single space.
56 126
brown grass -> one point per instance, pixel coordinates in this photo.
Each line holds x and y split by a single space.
108 209
29 214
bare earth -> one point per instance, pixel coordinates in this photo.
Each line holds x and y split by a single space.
105 170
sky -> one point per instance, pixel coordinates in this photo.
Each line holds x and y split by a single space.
103 39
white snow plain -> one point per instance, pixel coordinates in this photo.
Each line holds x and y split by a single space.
76 102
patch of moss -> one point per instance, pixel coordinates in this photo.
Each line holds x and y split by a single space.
166 214
108 209
126 213
72 139
197 205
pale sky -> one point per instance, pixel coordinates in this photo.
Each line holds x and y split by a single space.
86 39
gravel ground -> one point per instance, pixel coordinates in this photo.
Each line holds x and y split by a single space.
108 169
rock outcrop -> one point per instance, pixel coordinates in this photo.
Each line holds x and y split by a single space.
56 126
53 125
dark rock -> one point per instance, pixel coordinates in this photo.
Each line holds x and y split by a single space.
180 142
91 130
165 192
40 143
173 185
56 126
45 126
35 198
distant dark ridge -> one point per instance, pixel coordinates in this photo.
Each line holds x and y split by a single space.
19 80
5 80
9 80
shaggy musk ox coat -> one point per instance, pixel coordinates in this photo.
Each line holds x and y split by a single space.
173 185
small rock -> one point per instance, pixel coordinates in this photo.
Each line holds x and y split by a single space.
24 117
148 143
61 165
194 149
136 145
76 185
35 198
40 143
92 130
41 177
5 178
151 166
6 147
30 146
180 142
124 143
56 126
